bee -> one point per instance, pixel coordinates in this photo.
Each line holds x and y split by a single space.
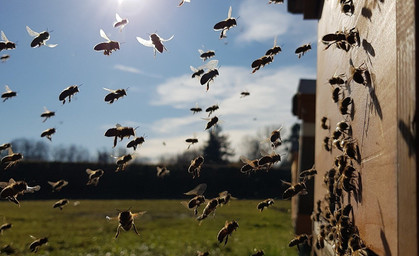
108 46
347 7
276 2
343 126
94 176
162 171
213 121
4 57
14 188
48 133
198 198
120 132
8 94
302 49
199 253
47 114
307 174
358 74
39 38
191 141
195 166
155 41
181 3
338 39
249 165
68 92
350 148
226 231
60 203
345 181
274 50
126 221
5 226
197 72
114 95
352 37
335 94
6 44
34 246
206 55
324 123
265 204
58 185
261 62
244 94
208 77
5 146
344 104
11 159
196 109
122 162
269 159
276 137
120 22
226 24
7 249
211 109
294 189
209 208
260 252
298 240
224 197
337 80
137 141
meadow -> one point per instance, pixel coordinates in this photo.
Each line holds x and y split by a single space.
168 228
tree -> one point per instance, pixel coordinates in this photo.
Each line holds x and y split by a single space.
217 149
31 149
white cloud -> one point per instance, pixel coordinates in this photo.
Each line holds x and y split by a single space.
134 70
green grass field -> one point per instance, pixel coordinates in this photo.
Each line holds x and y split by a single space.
167 228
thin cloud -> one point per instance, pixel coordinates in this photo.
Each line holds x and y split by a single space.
134 70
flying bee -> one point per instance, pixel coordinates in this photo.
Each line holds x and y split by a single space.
6 44
265 204
137 141
4 57
226 24
197 72
58 185
268 159
196 109
250 165
276 2
11 159
60 203
275 138
5 226
8 94
298 240
244 94
302 49
191 141
198 198
206 55
94 176
181 3
47 114
155 41
209 208
120 132
307 174
226 231
40 38
108 46
274 50
213 121
294 189
344 104
211 109
48 133
261 62
324 123
14 188
34 246
114 95
208 77
68 92
126 221
162 171
224 197
358 74
121 23
5 146
195 166
122 162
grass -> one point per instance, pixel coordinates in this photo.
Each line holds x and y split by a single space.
167 228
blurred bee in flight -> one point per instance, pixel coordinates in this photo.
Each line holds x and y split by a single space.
114 95
206 55
6 44
155 41
10 190
94 176
120 22
191 141
244 94
5 226
211 109
294 189
195 166
11 159
209 208
183 1
226 24
60 204
120 132
212 121
162 171
197 200
4 57
58 185
39 38
196 109
108 46
265 204
68 93
34 246
8 94
226 231
5 146
212 72
122 162
126 221
48 133
47 114
137 141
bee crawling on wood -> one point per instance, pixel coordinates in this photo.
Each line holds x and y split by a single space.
8 94
94 176
302 49
68 93
58 185
198 198
114 95
226 231
126 220
60 203
155 41
10 190
34 246
39 38
358 73
107 47
325 123
265 204
344 106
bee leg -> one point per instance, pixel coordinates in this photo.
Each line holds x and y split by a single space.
135 229
114 142
117 231
195 211
226 240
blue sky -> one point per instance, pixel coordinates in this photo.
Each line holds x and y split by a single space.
161 89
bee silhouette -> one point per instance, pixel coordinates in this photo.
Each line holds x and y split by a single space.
211 74
206 55
108 46
114 95
155 41
226 24
8 94
4 57
302 49
39 38
68 93
6 44
121 23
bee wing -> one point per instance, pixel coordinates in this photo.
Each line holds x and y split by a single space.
89 171
11 181
144 42
3 37
193 69
52 183
103 35
198 190
210 65
31 32
135 215
51 45
245 160
275 40
286 183
165 40
7 88
3 184
200 51
109 90
229 12
32 189
118 18
34 238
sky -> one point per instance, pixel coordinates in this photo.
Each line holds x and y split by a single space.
160 88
